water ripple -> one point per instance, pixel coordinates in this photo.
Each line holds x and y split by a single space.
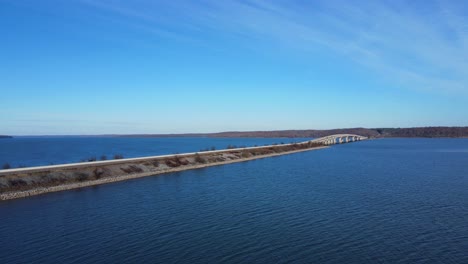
356 203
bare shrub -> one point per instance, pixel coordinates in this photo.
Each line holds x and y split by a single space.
136 169
132 169
6 166
81 176
176 161
183 161
262 151
54 177
237 154
172 163
99 173
17 183
199 159
4 184
245 154
155 163
103 157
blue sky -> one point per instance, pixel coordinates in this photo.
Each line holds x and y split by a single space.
101 66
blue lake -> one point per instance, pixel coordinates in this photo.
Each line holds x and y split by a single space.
378 201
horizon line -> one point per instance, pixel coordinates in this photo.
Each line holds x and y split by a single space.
220 132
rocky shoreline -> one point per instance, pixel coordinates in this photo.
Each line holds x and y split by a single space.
34 181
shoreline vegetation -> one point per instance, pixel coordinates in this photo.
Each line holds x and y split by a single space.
411 132
24 182
422 132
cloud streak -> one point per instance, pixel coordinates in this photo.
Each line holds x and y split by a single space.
419 46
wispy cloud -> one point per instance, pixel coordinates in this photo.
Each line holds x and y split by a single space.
420 46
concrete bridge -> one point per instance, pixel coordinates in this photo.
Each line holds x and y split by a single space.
338 139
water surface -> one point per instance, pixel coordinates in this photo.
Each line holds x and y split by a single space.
380 201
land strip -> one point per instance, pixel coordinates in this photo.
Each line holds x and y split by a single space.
24 182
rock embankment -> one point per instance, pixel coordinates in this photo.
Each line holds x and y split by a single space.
17 183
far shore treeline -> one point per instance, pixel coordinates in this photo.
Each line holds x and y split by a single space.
428 132
412 132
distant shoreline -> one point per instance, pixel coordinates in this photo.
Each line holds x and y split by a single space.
412 132
422 132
